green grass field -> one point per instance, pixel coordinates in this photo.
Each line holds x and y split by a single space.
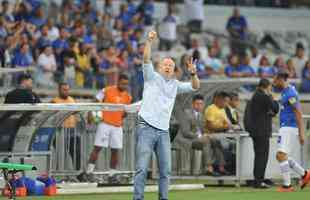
206 194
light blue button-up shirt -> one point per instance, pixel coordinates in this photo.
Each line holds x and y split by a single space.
159 96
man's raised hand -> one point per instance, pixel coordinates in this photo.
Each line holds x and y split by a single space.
191 66
152 35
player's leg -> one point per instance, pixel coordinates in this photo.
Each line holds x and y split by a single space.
101 140
116 144
295 166
282 157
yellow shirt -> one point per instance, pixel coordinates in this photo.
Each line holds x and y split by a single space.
84 62
216 116
69 122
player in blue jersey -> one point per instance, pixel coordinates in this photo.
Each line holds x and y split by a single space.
291 133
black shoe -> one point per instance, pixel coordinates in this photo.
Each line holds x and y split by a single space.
261 185
269 182
82 177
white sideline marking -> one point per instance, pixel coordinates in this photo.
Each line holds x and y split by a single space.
102 190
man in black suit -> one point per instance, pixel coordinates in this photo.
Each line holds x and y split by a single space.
262 108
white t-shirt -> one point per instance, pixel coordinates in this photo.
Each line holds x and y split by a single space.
254 63
299 64
53 34
47 63
194 9
168 28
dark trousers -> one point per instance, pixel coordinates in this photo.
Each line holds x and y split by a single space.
261 151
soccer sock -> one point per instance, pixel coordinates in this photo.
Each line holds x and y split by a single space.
296 167
90 168
285 171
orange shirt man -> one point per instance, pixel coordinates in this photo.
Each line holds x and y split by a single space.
109 132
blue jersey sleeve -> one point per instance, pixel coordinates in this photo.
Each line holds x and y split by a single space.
292 99
228 70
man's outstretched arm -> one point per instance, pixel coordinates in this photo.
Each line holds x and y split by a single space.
148 69
148 46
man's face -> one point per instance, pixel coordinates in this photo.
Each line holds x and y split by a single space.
64 91
25 49
236 12
198 105
300 53
222 102
27 84
63 33
234 102
123 84
45 30
234 60
278 83
166 68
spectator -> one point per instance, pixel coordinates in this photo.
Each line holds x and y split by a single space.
185 73
201 67
291 68
24 93
83 75
299 59
217 122
104 38
235 70
21 12
53 31
43 39
122 62
167 31
196 45
108 8
255 58
109 132
237 27
46 67
89 14
23 57
109 67
5 12
231 110
61 43
214 65
147 9
262 108
69 62
265 70
124 43
69 124
279 64
305 85
194 14
37 18
124 16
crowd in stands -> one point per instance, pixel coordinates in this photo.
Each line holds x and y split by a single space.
88 46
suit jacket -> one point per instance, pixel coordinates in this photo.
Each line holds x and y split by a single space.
263 108
189 125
